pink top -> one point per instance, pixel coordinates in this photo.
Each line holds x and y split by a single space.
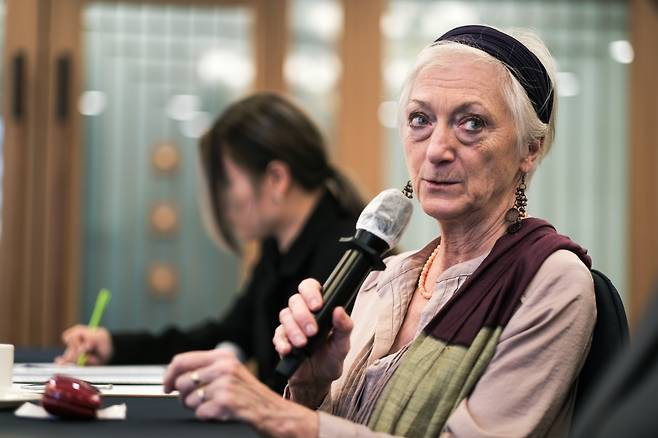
528 389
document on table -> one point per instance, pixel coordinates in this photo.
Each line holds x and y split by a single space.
32 391
136 391
115 375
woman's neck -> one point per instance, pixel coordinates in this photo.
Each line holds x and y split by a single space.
466 240
296 210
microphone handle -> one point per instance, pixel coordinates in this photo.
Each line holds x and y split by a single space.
340 289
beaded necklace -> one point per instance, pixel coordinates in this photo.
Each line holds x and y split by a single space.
423 274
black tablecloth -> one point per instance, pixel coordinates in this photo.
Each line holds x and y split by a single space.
146 417
26 354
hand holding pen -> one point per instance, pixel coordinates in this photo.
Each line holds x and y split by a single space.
88 344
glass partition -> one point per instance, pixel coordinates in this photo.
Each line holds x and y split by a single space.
312 67
156 77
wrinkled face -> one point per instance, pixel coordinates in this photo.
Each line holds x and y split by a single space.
247 206
459 140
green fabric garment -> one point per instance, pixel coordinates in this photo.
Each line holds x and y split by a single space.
410 406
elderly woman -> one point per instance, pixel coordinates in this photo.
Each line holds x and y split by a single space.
481 333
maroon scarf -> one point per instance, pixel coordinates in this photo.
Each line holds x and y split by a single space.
492 293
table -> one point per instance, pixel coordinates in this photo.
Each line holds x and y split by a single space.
146 417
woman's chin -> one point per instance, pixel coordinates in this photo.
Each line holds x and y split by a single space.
244 235
444 210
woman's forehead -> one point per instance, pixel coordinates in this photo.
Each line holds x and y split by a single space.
459 79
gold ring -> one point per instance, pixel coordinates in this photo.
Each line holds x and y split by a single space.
201 393
195 379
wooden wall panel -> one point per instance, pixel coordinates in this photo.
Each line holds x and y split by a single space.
62 170
20 199
643 154
271 44
360 147
38 254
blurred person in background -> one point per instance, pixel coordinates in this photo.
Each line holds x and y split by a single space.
266 177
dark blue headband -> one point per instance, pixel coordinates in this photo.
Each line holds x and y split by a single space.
518 59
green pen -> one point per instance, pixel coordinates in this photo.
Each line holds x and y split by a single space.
101 301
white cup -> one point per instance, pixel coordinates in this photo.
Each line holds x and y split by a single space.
6 367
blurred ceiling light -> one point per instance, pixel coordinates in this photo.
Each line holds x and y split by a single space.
568 84
396 72
395 23
621 51
225 66
92 103
322 18
196 126
388 114
443 16
183 106
316 74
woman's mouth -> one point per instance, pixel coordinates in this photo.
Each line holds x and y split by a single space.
440 184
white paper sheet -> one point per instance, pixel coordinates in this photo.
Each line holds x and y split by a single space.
15 396
119 375
137 391
30 410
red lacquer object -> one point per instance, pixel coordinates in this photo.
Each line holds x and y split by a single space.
68 397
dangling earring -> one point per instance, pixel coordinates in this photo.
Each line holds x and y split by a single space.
408 190
517 213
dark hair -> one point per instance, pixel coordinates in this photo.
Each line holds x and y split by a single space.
257 130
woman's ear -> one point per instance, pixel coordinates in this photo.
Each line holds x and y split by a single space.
529 162
278 179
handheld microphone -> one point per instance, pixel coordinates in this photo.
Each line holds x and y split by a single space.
378 229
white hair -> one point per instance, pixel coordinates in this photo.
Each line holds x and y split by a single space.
529 127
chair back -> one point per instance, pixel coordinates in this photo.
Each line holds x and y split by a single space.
609 337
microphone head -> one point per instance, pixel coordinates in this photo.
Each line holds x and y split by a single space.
386 216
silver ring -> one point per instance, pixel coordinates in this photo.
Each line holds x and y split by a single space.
195 379
201 393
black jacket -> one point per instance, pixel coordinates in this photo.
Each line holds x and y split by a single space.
251 320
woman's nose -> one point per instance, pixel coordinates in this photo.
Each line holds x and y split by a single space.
441 146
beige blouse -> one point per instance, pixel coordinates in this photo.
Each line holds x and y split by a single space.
529 386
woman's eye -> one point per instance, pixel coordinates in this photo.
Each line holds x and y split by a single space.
473 124
418 120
